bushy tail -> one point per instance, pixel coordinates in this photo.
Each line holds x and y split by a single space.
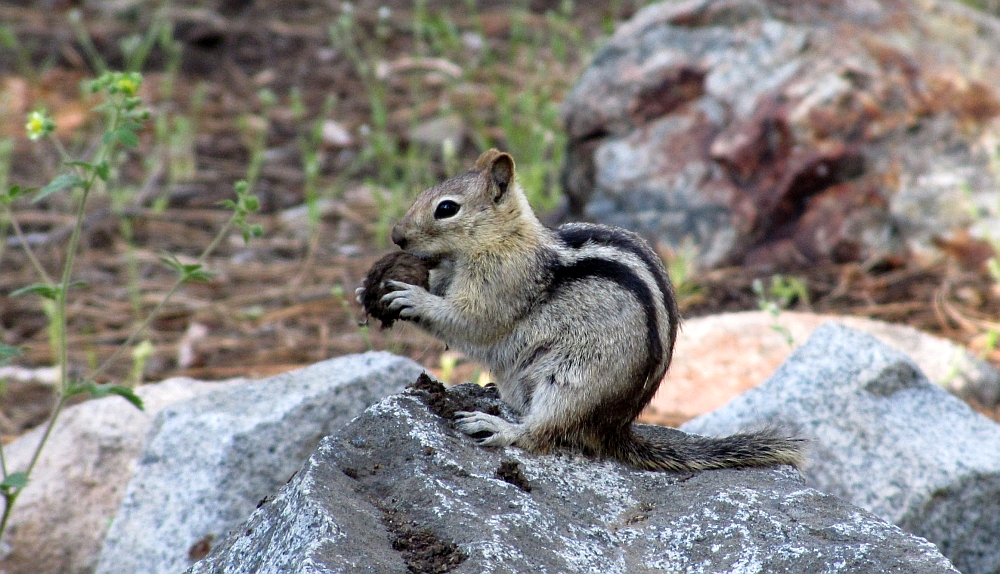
648 447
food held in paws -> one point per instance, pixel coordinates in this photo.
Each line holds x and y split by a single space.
396 266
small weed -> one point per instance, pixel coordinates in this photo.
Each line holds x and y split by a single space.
988 6
984 219
125 117
448 363
363 328
781 293
681 268
521 114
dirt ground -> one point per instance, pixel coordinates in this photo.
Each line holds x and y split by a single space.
285 300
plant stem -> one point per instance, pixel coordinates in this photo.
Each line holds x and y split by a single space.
11 496
3 464
135 332
24 245
49 425
74 240
156 310
61 321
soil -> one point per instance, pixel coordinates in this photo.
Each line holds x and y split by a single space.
286 300
510 472
421 549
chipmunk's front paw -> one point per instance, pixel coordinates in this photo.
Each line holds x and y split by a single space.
494 430
409 300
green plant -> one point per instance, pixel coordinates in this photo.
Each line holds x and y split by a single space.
985 217
782 292
526 77
310 140
363 328
992 342
124 117
989 6
681 268
10 42
254 128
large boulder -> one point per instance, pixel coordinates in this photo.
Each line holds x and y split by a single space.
400 490
719 356
61 517
209 461
886 439
788 133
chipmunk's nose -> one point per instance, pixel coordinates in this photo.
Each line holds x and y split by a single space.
397 237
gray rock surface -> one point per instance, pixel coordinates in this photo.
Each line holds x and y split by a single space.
399 490
61 517
720 356
784 133
210 460
885 439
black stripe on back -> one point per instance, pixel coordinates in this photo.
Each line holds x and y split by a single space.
575 236
619 273
537 353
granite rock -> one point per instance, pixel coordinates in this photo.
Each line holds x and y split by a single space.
884 438
717 357
782 134
61 517
209 461
400 490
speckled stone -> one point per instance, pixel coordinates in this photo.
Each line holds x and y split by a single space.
209 461
776 133
400 474
884 438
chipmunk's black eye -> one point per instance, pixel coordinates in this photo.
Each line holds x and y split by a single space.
446 209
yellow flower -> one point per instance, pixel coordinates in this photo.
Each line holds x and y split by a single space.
39 125
127 85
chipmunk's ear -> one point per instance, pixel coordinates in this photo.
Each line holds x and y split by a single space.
500 167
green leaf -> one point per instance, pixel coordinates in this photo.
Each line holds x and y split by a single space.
171 260
187 271
196 273
84 164
100 391
227 203
47 291
16 191
6 352
14 480
993 266
103 170
127 394
250 231
251 203
59 183
126 135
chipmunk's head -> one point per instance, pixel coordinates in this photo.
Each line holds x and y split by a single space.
480 211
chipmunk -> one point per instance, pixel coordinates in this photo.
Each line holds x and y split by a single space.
576 324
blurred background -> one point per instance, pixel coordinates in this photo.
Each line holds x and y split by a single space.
336 114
